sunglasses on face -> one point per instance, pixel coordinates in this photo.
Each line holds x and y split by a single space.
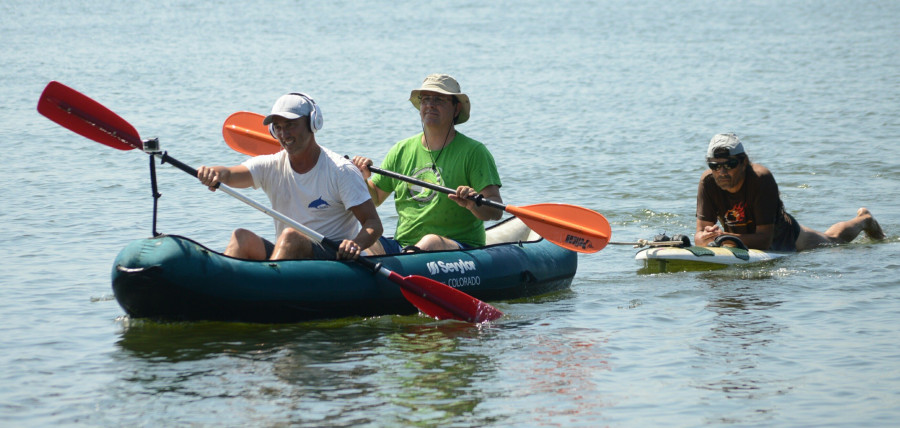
730 164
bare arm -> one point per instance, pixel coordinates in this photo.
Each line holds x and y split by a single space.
237 176
706 232
761 240
371 230
378 195
483 212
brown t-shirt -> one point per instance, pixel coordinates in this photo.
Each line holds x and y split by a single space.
758 202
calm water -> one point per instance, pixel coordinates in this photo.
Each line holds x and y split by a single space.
606 105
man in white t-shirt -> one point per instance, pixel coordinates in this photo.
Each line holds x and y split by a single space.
306 182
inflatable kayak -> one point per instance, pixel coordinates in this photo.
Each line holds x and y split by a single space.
173 278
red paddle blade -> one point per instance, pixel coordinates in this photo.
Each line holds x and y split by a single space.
442 301
86 117
245 133
569 226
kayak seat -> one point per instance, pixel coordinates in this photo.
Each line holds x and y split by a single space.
509 230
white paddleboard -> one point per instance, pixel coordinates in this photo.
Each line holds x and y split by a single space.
664 259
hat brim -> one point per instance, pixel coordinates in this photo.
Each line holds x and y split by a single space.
285 114
462 98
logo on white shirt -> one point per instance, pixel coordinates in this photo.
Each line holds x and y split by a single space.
319 204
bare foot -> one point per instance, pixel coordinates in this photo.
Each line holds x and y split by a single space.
872 228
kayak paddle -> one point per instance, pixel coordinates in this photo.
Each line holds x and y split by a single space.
245 133
81 114
569 226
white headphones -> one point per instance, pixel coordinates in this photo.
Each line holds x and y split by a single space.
315 115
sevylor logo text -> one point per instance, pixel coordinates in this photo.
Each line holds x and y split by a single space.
579 242
460 266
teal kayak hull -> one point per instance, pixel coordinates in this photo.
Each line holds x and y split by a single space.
173 278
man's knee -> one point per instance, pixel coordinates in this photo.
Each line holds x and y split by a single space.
243 236
290 236
809 239
433 242
292 244
246 244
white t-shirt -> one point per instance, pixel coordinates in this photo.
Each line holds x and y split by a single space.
319 199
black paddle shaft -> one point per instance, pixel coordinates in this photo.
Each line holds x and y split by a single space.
479 200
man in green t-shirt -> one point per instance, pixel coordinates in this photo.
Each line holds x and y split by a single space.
428 220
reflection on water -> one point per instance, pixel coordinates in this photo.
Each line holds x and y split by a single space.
424 372
413 370
328 372
569 365
552 375
180 342
731 353
434 371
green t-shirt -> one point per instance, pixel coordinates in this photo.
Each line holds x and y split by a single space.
463 161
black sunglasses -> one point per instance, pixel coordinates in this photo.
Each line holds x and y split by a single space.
731 163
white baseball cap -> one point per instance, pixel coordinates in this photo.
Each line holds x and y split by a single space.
289 106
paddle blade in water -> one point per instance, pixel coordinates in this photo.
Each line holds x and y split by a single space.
244 132
442 301
86 117
569 226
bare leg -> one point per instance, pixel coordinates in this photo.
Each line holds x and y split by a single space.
842 232
872 228
436 242
292 245
246 245
375 250
847 231
810 238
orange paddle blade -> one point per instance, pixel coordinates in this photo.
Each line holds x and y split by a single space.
244 132
569 226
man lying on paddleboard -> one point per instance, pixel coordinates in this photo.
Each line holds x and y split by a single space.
743 197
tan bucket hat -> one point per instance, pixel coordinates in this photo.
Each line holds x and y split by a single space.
443 84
